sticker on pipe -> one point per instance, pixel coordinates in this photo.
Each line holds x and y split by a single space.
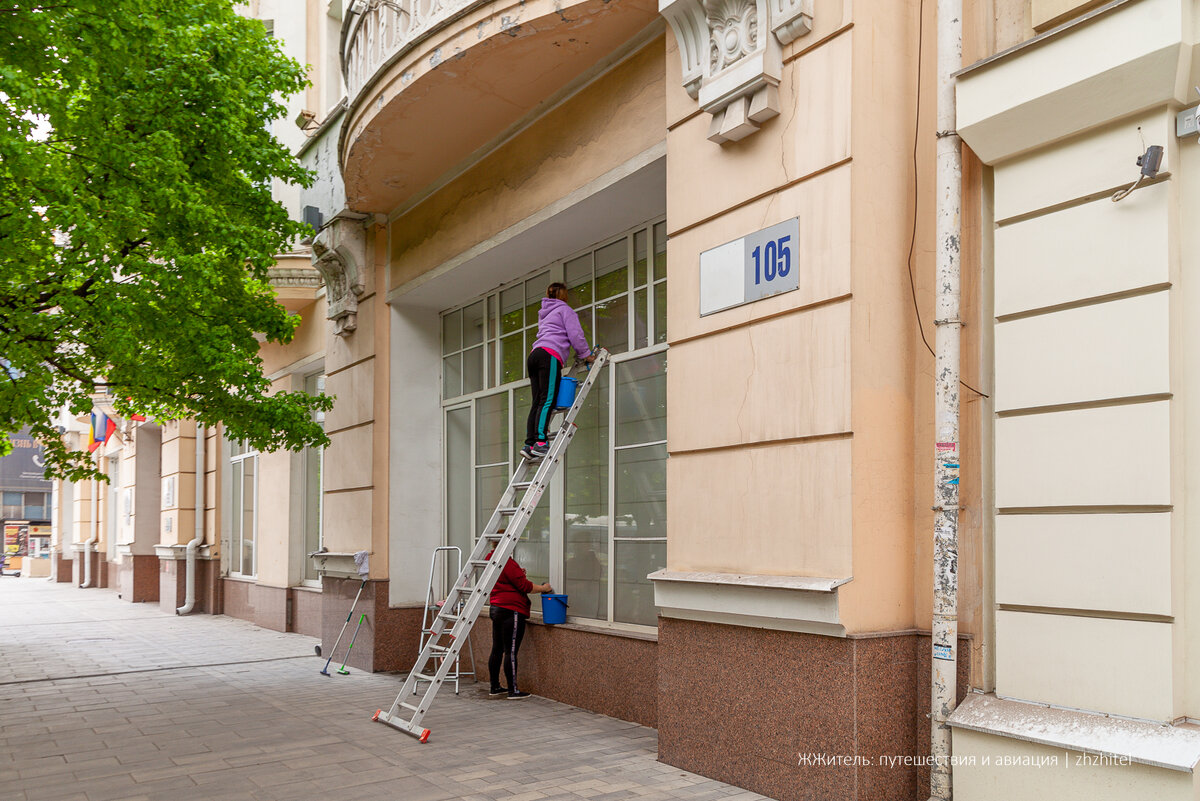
756 266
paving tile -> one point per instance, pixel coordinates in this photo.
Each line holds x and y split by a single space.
242 714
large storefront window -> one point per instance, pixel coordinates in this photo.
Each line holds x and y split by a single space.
602 526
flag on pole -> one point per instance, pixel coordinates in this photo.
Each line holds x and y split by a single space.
101 429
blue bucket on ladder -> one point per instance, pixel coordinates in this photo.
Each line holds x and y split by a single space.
566 392
554 608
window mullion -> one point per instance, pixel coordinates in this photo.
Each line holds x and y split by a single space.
612 490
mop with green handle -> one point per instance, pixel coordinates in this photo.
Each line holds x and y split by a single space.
342 669
362 562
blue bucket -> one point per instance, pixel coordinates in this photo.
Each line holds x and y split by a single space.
554 608
566 392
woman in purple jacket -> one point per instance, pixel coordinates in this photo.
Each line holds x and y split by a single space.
558 331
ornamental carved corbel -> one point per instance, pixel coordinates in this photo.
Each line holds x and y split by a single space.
730 64
339 255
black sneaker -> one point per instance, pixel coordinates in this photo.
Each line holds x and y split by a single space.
532 455
496 692
512 696
540 449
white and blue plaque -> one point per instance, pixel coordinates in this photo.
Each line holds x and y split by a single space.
754 267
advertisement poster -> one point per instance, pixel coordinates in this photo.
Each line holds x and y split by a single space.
16 537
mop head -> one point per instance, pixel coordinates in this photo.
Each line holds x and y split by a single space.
361 560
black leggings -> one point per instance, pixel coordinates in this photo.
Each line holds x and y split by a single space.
544 372
508 627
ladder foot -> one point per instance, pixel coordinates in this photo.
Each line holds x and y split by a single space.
424 738
378 712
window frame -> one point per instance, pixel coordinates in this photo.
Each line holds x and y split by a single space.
237 541
654 231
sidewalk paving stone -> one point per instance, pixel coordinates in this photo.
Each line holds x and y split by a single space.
103 700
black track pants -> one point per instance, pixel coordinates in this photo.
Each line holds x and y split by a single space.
508 627
544 372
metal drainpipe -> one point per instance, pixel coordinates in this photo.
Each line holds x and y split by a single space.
946 383
189 592
90 543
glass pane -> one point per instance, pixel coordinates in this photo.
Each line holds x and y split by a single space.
639 319
491 322
12 499
522 400
533 549
452 376
612 324
512 358
473 321
312 509
660 312
634 596
472 363
491 429
579 280
458 478
452 332
639 258
612 270
535 290
586 521
660 251
489 486
642 400
512 301
235 534
248 466
585 322
641 500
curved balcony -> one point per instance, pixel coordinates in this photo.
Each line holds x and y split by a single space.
430 82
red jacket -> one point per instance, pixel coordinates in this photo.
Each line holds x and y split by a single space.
512 588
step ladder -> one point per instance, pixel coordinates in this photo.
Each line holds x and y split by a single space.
433 606
452 625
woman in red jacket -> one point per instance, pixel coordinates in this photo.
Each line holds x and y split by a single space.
510 610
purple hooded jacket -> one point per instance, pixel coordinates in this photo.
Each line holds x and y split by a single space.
559 330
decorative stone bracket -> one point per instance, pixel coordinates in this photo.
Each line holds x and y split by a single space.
728 66
339 254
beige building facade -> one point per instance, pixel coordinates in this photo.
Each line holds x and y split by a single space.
740 197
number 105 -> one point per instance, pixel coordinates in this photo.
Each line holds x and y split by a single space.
772 261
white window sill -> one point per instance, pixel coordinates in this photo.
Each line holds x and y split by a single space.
1170 747
784 603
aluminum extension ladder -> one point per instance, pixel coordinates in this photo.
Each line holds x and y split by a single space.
474 584
433 606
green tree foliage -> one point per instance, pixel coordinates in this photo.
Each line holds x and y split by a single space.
136 218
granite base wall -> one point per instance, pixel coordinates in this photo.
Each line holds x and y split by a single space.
172 586
137 579
745 705
389 639
611 674
306 612
261 605
61 569
98 573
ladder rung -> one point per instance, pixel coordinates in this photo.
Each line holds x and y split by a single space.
424 677
480 562
410 707
495 535
508 510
